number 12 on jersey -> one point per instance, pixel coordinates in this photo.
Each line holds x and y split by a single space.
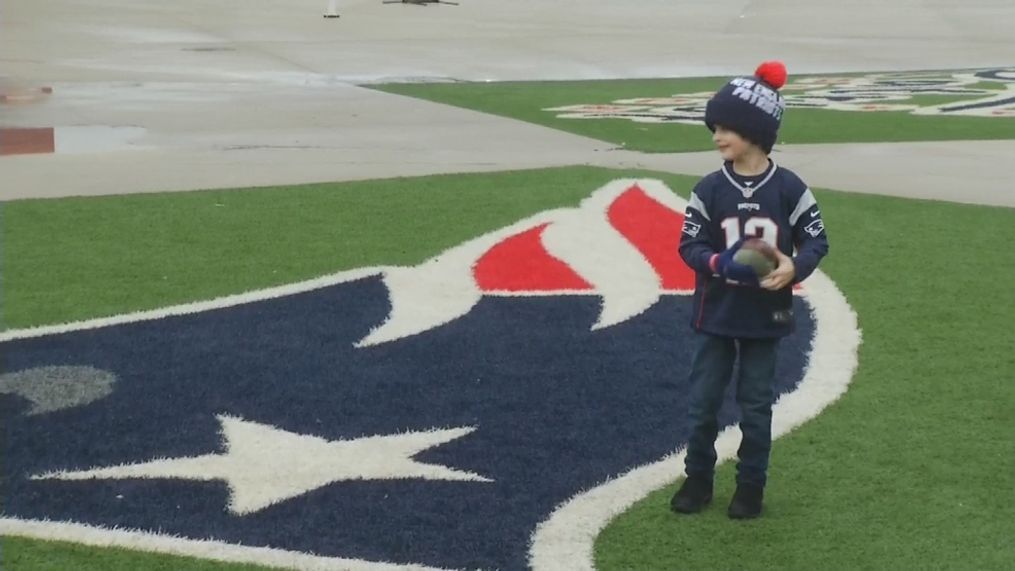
758 226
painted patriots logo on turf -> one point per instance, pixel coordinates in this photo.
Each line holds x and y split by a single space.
491 407
976 93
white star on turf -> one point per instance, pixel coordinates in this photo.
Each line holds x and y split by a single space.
264 465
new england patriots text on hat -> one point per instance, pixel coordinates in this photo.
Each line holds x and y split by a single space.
751 106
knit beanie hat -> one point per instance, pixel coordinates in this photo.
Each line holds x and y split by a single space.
751 106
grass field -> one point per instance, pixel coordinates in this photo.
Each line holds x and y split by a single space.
528 101
911 469
19 553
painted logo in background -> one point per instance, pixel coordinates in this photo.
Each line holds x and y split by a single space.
983 93
491 407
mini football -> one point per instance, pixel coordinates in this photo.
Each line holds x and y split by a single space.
758 254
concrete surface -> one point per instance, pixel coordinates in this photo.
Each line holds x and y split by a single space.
263 92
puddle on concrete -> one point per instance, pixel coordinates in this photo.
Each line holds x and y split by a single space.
13 94
210 49
150 35
76 139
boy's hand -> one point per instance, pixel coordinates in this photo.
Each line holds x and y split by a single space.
782 275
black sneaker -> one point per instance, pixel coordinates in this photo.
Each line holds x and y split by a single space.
692 497
746 503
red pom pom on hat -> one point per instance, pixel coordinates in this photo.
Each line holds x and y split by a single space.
772 73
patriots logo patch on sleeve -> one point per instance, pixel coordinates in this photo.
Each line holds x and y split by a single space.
815 228
691 228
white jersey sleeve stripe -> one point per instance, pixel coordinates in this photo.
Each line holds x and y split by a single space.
803 205
698 205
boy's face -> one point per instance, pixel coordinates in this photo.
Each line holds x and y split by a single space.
730 144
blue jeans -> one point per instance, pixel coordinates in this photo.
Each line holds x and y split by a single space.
711 371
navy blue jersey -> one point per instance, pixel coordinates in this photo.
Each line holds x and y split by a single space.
777 207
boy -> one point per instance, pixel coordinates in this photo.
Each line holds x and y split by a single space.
735 311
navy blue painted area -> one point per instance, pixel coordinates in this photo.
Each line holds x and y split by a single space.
559 409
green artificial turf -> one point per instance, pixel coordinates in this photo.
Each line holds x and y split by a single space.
529 100
911 469
24 554
75 258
